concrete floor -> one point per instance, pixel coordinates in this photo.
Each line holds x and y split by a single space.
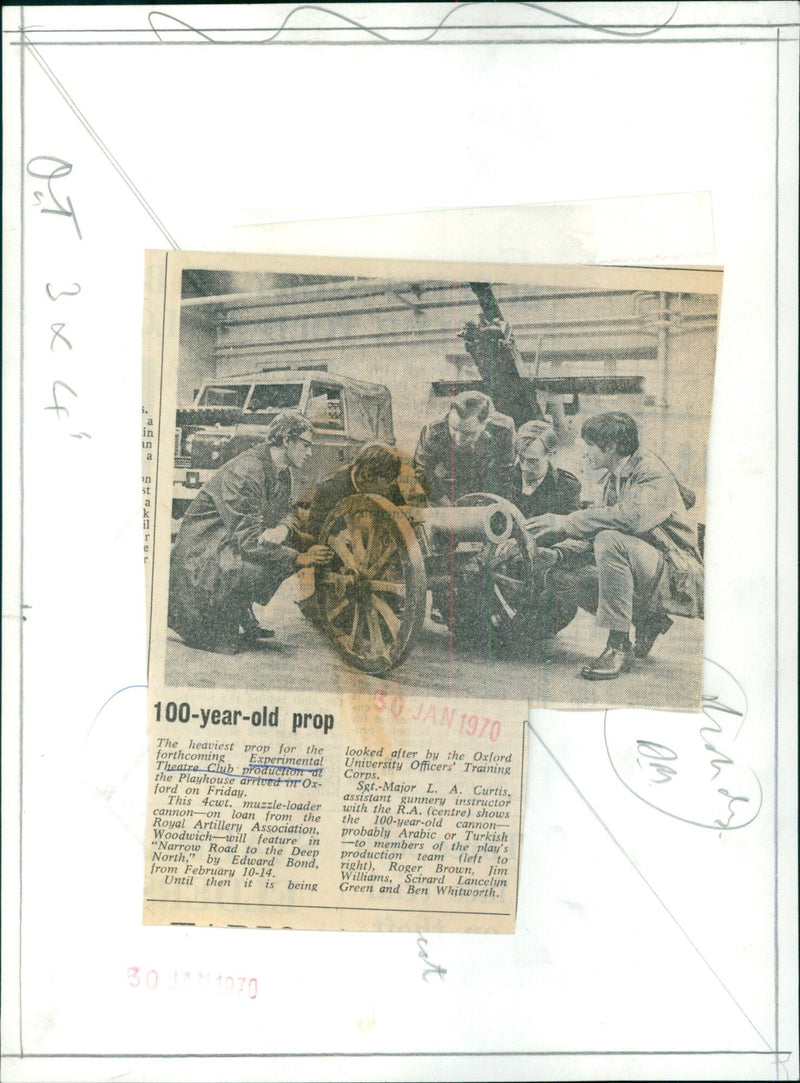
300 657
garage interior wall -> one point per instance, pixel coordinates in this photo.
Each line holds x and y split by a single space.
406 336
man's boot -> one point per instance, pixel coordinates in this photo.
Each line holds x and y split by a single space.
616 658
252 632
653 625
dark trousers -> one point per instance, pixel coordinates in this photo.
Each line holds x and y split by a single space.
219 628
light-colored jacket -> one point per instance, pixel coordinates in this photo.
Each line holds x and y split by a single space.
650 506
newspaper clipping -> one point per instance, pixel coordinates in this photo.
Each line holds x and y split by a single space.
388 508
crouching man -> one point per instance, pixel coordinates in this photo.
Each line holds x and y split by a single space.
634 557
234 544
468 451
375 469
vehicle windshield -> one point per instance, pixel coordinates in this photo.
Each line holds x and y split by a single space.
274 397
224 395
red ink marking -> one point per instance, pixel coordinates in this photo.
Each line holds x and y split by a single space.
228 985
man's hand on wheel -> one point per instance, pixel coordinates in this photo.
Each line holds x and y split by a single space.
506 551
547 558
316 557
276 535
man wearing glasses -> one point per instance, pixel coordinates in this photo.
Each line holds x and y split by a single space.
469 451
234 544
537 486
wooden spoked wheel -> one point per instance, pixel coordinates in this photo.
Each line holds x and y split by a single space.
372 596
497 597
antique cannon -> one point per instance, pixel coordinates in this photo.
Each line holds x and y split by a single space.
476 558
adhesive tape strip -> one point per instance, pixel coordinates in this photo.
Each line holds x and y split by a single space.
644 229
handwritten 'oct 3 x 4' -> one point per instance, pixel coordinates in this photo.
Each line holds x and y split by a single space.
685 768
49 168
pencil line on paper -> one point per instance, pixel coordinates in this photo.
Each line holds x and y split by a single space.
353 24
158 447
404 1053
776 528
21 501
740 40
644 879
105 150
762 26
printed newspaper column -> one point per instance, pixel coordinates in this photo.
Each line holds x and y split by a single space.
322 812
152 354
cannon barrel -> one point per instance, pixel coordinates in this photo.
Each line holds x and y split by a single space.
370 599
490 522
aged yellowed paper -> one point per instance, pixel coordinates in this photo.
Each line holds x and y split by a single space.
389 508
349 813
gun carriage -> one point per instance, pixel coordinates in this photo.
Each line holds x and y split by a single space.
476 558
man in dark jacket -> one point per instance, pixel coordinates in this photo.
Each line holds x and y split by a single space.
230 550
469 451
536 485
537 488
646 562
374 469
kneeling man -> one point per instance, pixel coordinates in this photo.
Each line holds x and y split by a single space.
645 559
234 543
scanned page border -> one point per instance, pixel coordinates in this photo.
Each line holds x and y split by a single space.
746 32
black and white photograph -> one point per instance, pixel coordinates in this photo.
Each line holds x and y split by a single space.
458 485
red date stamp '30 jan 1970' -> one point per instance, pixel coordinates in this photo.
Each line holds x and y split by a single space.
192 981
436 713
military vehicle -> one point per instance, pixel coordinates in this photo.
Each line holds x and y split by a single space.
232 413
